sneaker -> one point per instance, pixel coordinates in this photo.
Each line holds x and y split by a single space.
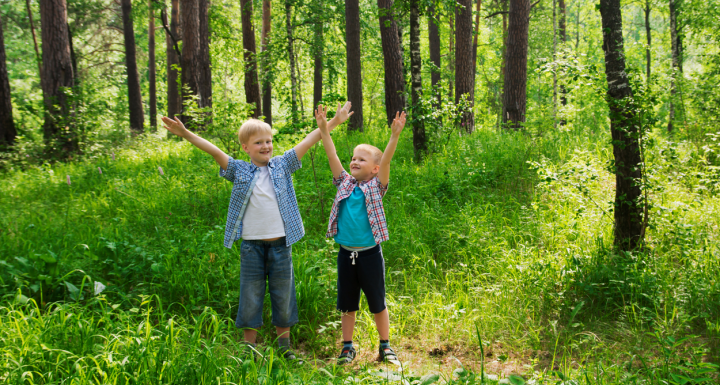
289 356
387 354
347 355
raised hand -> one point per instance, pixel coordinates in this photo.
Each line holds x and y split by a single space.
321 118
343 113
175 126
398 123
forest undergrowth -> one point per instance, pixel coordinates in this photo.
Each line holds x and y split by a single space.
499 268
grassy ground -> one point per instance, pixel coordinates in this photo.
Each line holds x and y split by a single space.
499 263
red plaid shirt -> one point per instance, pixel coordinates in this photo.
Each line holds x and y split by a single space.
374 191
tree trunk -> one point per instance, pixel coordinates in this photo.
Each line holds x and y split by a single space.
205 75
318 57
174 101
252 87
649 40
267 72
514 100
477 33
190 74
354 66
7 124
624 129
134 96
32 30
451 55
419 140
291 57
676 60
562 25
464 70
57 72
394 79
555 67
434 46
151 66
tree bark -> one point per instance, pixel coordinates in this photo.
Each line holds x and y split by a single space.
32 31
354 65
7 124
434 47
649 40
562 26
676 50
205 76
318 57
174 101
190 74
266 70
419 139
252 87
464 71
515 98
624 130
477 33
291 56
151 66
57 72
392 57
451 55
134 96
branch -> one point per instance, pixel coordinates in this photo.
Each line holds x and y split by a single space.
496 13
167 30
534 4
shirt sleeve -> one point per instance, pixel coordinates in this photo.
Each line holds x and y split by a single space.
232 168
340 179
381 188
292 163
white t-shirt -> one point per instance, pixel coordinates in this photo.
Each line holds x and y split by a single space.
262 218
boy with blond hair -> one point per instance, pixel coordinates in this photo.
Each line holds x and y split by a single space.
263 212
357 222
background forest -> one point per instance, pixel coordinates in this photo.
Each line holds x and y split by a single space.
553 207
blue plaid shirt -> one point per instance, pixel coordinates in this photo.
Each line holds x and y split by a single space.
243 175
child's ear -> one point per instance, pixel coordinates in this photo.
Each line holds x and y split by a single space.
376 169
244 147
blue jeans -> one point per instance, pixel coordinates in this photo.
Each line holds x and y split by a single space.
271 261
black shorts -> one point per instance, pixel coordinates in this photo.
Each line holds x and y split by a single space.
367 274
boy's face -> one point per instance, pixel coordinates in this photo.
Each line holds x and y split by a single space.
260 149
363 166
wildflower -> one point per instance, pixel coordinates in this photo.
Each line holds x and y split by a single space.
99 171
98 288
161 171
68 180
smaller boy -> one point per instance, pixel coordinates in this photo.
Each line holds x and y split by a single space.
357 221
263 212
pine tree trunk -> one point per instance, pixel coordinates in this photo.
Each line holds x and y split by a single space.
205 74
394 79
676 60
318 43
476 34
174 101
267 71
190 74
623 127
562 25
32 31
434 47
354 66
134 97
7 124
419 140
515 97
252 87
57 72
291 56
151 66
649 40
464 71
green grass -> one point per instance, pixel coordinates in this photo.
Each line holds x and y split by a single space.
500 239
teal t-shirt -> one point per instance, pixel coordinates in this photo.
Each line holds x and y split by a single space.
353 223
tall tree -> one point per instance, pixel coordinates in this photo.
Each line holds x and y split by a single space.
392 57
267 71
32 31
419 140
172 36
7 124
464 70
515 98
205 76
562 25
476 34
289 27
151 65
318 43
354 66
252 87
451 55
134 96
648 35
57 73
624 130
676 48
434 46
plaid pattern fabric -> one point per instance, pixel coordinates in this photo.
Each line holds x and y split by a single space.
243 176
374 191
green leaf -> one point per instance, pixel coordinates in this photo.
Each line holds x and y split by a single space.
516 380
429 379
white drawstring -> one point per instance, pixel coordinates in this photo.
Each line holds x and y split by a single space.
353 255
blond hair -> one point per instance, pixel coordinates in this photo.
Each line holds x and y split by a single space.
374 151
253 127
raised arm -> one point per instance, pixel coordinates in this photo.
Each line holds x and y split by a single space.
176 127
397 126
321 118
342 114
